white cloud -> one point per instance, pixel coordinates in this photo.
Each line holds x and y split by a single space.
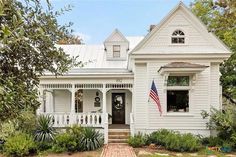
84 37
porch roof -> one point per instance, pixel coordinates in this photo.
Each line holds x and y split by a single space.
187 67
96 72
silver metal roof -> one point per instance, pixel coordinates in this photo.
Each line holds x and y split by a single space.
94 56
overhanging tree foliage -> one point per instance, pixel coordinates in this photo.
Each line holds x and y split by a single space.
220 17
28 34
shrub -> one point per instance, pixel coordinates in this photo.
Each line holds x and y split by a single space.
64 143
224 122
7 129
90 139
212 141
43 146
190 143
75 131
44 129
20 144
158 137
27 122
1 145
137 140
173 141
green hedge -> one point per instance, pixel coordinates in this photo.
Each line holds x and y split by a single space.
137 140
169 139
64 143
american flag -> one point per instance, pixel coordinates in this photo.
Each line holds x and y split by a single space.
154 95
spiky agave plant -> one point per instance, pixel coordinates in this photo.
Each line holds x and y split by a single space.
90 139
44 130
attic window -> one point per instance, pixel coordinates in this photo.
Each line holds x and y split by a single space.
178 37
116 51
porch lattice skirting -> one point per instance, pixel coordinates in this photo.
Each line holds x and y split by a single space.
98 119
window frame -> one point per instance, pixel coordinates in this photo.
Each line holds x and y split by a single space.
178 37
180 88
116 51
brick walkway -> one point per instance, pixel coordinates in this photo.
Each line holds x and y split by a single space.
118 150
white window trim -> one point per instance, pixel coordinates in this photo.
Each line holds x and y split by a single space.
183 29
190 90
113 51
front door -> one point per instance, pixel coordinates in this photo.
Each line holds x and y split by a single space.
118 108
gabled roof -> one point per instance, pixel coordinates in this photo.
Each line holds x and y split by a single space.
202 26
116 32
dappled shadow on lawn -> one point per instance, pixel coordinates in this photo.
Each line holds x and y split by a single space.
96 153
160 151
78 154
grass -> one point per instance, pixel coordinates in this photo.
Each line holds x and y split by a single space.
96 153
201 153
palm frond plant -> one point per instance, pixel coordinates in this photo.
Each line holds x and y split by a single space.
90 139
44 129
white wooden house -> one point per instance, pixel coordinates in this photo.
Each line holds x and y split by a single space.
179 54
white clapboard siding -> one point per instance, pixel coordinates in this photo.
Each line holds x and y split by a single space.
199 100
89 99
62 100
140 89
215 85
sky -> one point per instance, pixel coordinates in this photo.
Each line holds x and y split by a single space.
95 20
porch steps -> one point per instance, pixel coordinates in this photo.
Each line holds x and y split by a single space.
118 135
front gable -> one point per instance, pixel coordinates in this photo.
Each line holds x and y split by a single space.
197 37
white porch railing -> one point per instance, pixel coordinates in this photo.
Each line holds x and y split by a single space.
82 119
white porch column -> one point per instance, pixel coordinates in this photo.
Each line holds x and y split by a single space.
105 114
72 119
132 115
104 99
49 96
72 109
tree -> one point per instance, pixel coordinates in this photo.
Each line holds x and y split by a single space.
219 16
28 34
71 40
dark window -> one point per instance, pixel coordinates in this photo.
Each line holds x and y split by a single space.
178 81
177 101
178 37
79 101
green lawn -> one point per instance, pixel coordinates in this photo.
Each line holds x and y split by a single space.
96 153
201 153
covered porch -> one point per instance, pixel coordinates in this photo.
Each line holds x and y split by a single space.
88 105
